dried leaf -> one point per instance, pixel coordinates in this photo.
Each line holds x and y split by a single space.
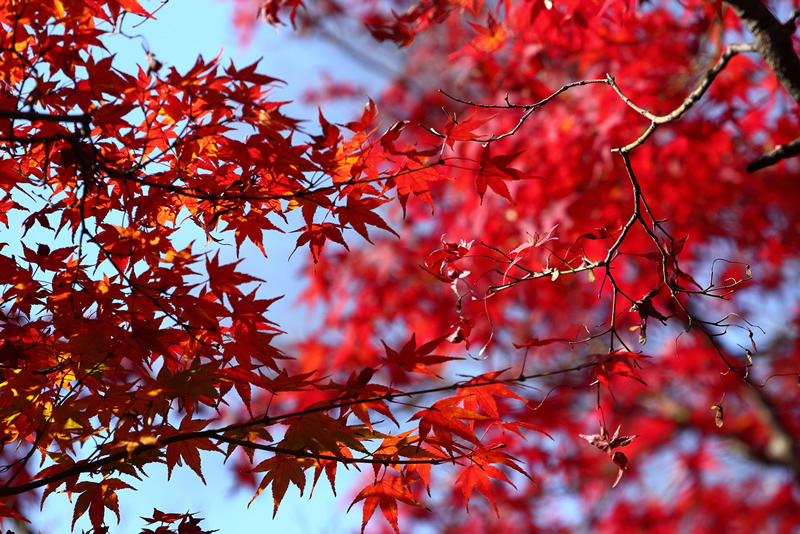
718 416
153 65
752 340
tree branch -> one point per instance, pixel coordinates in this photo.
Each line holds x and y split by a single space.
781 447
86 466
84 118
773 42
775 155
688 102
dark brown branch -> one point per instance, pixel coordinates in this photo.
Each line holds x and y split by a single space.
773 42
775 155
46 117
529 109
36 139
94 465
302 453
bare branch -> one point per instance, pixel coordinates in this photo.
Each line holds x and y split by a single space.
529 109
689 101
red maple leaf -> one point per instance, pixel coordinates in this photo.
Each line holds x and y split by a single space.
385 493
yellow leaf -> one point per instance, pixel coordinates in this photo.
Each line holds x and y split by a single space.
59 6
72 425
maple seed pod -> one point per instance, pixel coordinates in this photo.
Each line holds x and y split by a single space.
153 65
718 416
752 340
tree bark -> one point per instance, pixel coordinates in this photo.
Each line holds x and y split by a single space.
773 42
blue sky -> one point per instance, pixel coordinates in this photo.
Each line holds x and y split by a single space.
183 30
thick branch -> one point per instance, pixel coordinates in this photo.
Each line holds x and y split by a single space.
775 155
781 448
773 42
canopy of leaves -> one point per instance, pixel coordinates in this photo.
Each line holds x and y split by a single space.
566 249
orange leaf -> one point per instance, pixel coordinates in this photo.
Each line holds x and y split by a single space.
385 492
280 470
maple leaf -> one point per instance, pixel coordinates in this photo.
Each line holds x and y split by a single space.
494 172
463 328
7 511
316 235
620 363
646 309
482 469
536 342
252 434
360 212
189 450
478 477
224 279
385 493
413 359
444 419
318 433
279 471
251 227
366 120
414 178
463 130
7 205
482 394
364 395
490 38
189 524
398 32
599 233
286 382
249 74
96 497
607 444
404 444
534 241
391 135
440 262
